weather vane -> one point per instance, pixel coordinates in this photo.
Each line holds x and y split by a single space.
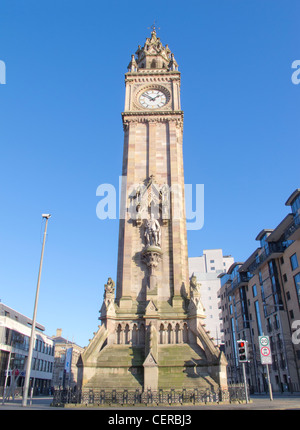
154 27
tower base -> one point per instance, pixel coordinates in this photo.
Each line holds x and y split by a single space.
154 352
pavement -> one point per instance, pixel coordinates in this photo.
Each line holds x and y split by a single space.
256 402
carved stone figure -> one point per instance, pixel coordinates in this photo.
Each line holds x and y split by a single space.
194 287
109 287
152 231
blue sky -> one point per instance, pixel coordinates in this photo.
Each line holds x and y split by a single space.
61 135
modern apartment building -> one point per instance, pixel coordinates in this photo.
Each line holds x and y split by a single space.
207 268
261 296
15 332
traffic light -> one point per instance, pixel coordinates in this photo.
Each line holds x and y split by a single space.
243 351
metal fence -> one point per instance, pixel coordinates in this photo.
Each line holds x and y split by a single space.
94 397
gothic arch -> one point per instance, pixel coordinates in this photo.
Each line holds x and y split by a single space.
162 334
126 334
119 334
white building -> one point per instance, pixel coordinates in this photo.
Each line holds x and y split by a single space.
15 332
207 268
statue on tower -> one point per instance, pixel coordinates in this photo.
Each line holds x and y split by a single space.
152 232
109 289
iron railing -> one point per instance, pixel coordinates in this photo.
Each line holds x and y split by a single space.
98 397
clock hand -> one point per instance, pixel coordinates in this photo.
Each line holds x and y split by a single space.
146 95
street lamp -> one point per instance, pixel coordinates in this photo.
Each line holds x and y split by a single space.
29 359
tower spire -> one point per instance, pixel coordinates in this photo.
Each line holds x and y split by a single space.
153 55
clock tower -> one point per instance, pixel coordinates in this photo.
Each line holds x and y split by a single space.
152 334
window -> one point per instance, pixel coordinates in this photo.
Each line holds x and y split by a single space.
276 322
288 296
291 314
254 290
294 261
258 320
212 268
16 339
264 244
271 268
296 205
212 261
284 277
297 285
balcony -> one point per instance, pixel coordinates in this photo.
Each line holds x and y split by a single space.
241 279
226 279
274 250
293 230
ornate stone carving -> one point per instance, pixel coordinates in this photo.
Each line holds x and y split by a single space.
153 198
151 257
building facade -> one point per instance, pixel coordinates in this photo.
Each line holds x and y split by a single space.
151 335
66 356
207 269
261 296
15 332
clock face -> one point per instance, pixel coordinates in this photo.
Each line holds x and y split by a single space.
153 99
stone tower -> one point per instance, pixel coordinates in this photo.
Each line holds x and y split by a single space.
152 334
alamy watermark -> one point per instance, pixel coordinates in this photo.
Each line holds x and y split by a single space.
296 333
2 72
141 201
296 74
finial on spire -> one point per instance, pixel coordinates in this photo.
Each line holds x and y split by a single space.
154 27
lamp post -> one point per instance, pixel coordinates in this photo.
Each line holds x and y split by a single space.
29 359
